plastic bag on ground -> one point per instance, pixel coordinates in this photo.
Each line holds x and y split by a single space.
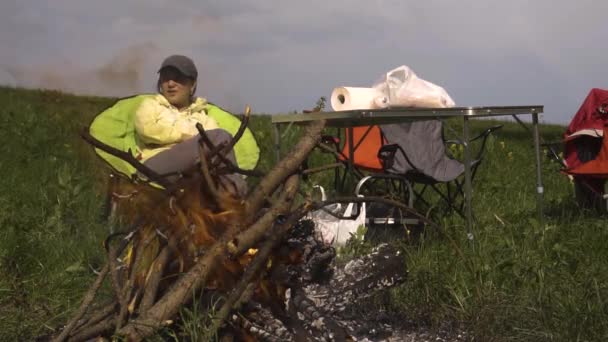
331 229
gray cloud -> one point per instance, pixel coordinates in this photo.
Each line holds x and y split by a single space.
282 55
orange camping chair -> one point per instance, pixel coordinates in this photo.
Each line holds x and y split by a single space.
360 158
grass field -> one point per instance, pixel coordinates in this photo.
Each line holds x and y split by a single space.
519 280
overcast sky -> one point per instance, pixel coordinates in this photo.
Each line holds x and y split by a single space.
281 55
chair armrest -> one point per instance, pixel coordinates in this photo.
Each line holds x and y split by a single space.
386 154
484 135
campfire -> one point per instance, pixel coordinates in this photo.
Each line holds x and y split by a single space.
253 264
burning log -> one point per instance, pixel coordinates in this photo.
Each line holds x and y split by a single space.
195 237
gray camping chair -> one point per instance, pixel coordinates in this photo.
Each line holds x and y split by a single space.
418 152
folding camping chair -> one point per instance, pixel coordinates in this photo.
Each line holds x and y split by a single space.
361 164
114 128
372 157
586 151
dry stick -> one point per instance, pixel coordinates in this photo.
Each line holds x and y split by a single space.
255 232
241 130
88 299
112 252
258 262
204 138
222 150
338 155
157 274
95 318
207 176
168 305
96 330
223 160
127 157
127 290
284 168
322 168
116 285
246 295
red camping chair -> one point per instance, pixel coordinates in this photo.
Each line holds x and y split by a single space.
586 150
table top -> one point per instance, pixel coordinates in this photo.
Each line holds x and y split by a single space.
396 115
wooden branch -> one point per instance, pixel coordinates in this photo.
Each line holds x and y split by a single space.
151 288
213 149
322 168
239 133
327 148
257 230
95 330
127 157
88 299
237 136
116 283
204 138
246 295
210 186
95 318
284 168
127 290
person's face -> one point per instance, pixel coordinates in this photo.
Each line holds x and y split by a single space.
176 87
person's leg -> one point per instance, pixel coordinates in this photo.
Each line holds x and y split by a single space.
185 155
178 158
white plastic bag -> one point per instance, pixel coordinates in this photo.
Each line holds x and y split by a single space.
347 228
331 229
401 87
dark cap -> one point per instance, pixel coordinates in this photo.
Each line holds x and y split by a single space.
182 63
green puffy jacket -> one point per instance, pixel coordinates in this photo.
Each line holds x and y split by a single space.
115 127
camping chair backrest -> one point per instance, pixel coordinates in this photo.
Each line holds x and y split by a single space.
586 150
115 127
585 131
367 141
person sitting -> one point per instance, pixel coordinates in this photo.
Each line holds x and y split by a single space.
165 124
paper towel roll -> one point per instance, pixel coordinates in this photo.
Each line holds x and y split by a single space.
348 98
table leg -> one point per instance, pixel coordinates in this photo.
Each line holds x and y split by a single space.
539 181
467 178
351 158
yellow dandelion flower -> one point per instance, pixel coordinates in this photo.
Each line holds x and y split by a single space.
502 144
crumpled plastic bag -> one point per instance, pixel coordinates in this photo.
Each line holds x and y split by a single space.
332 230
401 87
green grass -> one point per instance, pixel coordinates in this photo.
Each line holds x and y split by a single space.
518 280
